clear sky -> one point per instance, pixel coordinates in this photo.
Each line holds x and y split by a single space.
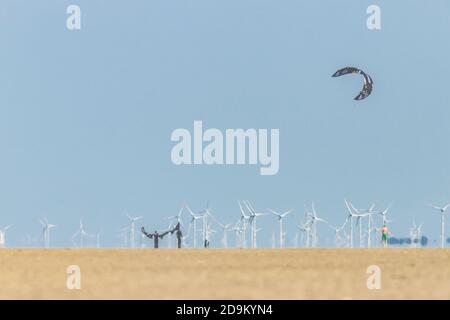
86 116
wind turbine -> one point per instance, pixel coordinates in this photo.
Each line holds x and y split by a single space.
3 236
314 220
177 217
243 221
169 238
208 233
133 229
97 238
337 236
361 213
194 219
296 240
370 228
280 217
82 234
205 225
225 229
253 216
442 211
306 228
124 234
273 240
46 232
414 233
384 215
238 233
142 238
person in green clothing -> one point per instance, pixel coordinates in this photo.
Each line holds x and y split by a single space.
384 235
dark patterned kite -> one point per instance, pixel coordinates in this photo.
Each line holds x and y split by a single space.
368 83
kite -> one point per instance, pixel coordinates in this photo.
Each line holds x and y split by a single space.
368 83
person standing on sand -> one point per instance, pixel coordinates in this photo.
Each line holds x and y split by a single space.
179 234
384 235
155 236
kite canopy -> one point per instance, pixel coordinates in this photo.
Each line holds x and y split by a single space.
368 83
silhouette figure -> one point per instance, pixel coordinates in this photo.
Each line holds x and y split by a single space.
179 234
155 236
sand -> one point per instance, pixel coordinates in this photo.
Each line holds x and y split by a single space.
225 273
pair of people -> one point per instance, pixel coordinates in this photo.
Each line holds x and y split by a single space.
156 236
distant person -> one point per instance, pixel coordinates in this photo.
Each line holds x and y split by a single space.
179 234
384 235
206 244
155 236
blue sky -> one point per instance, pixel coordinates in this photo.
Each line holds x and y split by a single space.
86 116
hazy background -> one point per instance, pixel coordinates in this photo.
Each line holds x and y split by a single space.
86 116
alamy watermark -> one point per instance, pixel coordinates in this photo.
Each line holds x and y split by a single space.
234 147
374 279
73 281
73 21
374 20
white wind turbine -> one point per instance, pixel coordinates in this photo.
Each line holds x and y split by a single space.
280 217
142 238
124 234
97 238
208 233
314 220
204 216
194 218
362 213
306 228
169 238
46 227
244 220
82 233
273 240
238 233
414 234
349 219
442 211
253 216
358 214
337 236
3 236
384 215
296 240
225 229
133 229
205 225
177 218
370 228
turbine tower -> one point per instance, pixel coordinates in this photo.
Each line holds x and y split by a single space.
97 238
46 227
442 211
280 217
3 236
133 229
